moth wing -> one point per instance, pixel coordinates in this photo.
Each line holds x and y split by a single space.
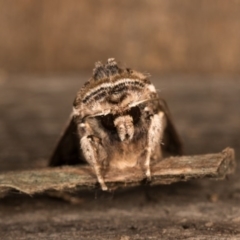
67 150
172 143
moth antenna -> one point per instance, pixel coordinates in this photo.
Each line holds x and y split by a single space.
112 67
99 72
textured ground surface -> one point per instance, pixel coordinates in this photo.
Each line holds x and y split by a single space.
206 111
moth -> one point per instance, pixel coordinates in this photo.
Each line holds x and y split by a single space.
118 120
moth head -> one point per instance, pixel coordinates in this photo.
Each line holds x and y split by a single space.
123 123
125 127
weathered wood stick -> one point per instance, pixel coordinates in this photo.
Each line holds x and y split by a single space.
173 169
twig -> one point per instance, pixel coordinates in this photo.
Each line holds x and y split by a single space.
173 169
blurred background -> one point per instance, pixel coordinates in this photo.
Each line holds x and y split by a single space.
48 50
57 36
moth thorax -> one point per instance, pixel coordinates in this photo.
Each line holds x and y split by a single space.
125 127
116 97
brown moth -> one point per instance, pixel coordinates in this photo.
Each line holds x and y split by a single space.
119 121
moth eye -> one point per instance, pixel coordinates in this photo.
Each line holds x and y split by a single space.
135 113
107 121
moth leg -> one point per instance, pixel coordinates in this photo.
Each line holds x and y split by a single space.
94 154
155 136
